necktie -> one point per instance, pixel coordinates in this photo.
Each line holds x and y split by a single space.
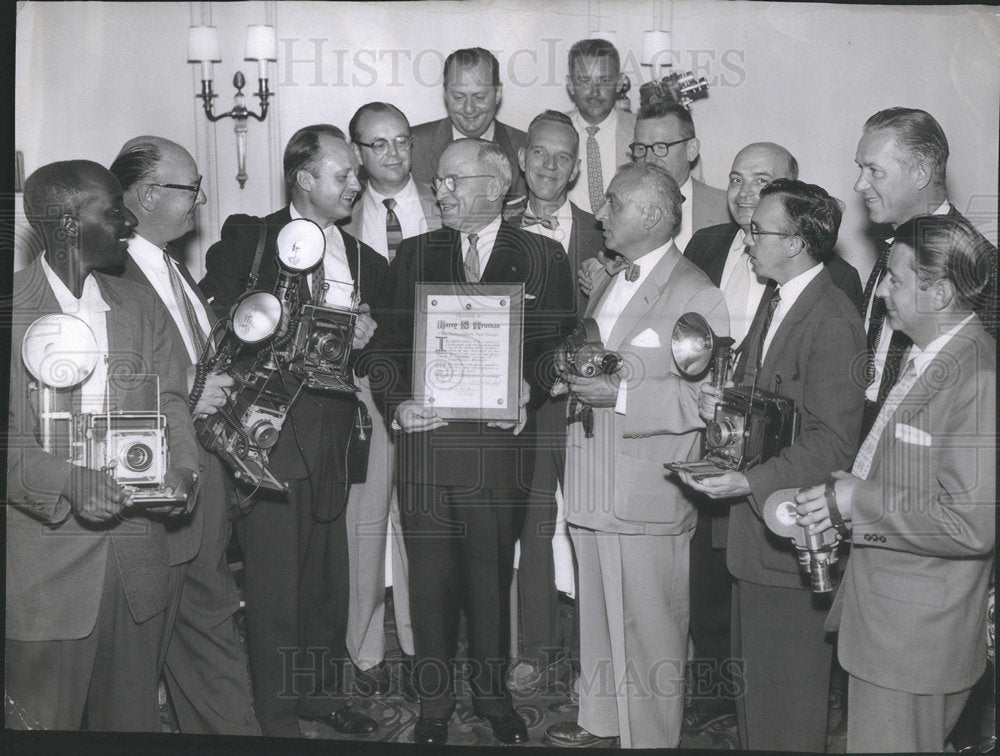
619 264
530 219
595 181
319 286
878 313
191 324
472 260
863 462
393 231
772 305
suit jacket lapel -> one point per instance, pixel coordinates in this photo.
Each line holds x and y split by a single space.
644 297
799 311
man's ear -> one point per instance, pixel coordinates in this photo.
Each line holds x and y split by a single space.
693 147
651 216
146 194
520 158
305 180
499 94
575 172
494 190
357 151
795 247
922 174
70 225
569 86
944 294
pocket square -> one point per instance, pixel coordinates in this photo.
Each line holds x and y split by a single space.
530 296
648 338
910 435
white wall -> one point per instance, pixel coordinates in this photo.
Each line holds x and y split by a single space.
91 75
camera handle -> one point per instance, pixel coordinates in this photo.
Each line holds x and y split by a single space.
722 360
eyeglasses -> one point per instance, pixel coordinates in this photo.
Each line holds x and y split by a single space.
381 146
755 232
449 182
660 149
195 187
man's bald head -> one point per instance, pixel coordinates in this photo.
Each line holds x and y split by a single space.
754 167
162 187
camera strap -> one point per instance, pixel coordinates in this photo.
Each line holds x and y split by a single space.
258 253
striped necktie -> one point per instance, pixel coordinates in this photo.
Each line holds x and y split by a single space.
472 260
191 324
866 454
877 319
393 231
595 180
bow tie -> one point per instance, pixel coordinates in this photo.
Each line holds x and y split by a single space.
530 219
619 264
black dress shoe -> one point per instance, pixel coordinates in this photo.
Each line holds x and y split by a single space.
372 682
699 716
346 721
430 731
571 735
509 728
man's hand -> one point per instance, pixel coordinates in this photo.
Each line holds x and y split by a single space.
812 506
599 391
725 486
522 415
412 417
214 395
707 399
93 494
364 328
178 482
590 269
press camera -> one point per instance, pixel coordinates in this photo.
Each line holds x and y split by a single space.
817 552
751 425
314 340
681 88
582 354
60 351
243 431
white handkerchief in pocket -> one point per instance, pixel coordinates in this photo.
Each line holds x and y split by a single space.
648 338
910 435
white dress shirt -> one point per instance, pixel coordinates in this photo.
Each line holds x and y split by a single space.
150 260
90 308
790 291
408 210
607 141
484 244
336 271
741 288
561 233
882 348
617 297
486 135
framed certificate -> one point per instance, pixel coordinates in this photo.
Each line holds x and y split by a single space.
467 349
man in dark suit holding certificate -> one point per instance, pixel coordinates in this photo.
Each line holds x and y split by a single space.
462 484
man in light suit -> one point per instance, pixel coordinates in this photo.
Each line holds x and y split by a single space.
630 524
803 343
206 665
295 546
919 502
87 577
902 158
665 136
722 252
392 207
460 483
549 162
472 94
605 132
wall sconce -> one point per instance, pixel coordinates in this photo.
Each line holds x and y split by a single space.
261 46
656 51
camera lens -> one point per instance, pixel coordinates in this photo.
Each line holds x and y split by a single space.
719 434
330 347
138 457
264 435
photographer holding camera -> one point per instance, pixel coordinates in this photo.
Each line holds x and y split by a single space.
87 573
920 500
631 525
802 346
295 546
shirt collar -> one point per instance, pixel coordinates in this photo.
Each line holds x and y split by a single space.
293 211
739 241
487 234
408 191
485 136
608 124
146 254
686 188
790 290
90 297
943 209
922 357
